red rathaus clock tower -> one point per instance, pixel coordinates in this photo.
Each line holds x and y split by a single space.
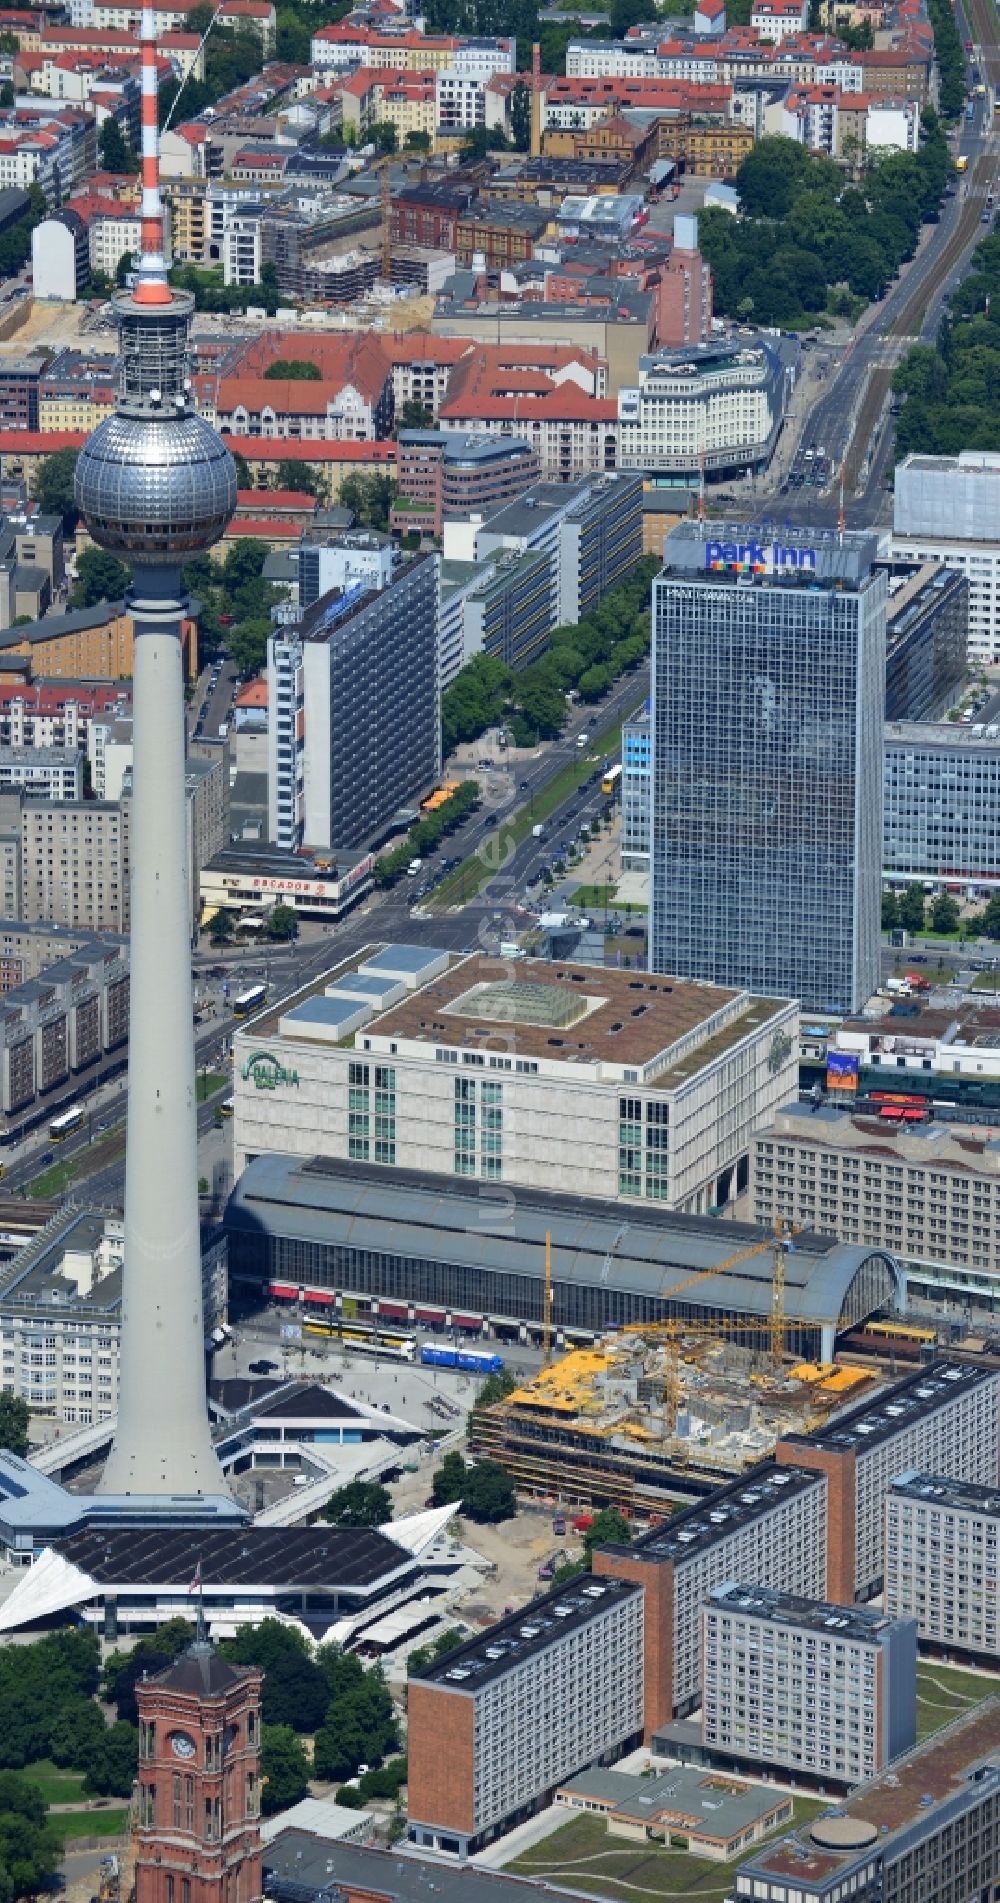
199 1782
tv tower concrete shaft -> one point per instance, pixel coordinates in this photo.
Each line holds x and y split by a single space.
163 1443
156 484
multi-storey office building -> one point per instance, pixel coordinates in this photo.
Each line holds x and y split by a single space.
942 1562
590 1082
590 533
354 732
768 682
927 1827
930 1192
60 1316
927 639
945 509
637 749
828 1692
445 474
944 1419
770 1525
496 1724
715 406
509 614
941 789
74 861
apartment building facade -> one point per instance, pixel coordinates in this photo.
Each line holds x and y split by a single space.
57 1027
73 861
942 1562
497 1723
943 1419
771 1525
798 1685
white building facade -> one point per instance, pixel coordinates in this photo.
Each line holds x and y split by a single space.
946 508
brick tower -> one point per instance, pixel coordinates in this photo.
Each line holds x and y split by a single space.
199 1782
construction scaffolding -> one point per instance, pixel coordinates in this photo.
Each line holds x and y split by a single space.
640 1421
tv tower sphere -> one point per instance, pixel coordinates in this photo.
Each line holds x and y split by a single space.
155 484
155 481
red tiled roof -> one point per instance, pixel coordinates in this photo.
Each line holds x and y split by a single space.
254 694
279 449
268 528
565 404
287 499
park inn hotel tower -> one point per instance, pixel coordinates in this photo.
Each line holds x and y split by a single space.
768 691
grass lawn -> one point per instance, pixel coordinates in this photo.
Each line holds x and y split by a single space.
71 1824
944 1694
468 878
582 1854
55 1181
987 981
209 1081
58 1785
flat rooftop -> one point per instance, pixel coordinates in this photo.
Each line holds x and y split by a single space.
716 1807
34 1279
939 736
576 1014
862 1624
722 1513
904 1800
300 1866
524 1634
914 1398
936 1490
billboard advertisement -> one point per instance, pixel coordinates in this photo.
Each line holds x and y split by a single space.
842 1070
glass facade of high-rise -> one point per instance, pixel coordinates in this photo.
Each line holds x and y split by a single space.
768 691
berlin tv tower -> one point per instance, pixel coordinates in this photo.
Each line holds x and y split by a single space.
155 484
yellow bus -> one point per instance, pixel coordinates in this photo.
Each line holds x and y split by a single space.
961 163
612 780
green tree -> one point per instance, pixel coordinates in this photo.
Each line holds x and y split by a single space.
910 907
293 370
244 563
300 476
496 1387
489 1494
113 1762
126 263
412 415
99 577
248 644
383 136
122 1670
116 153
608 1528
243 477
369 498
945 913
350 1797
482 140
448 1480
14 1419
360 1725
283 923
520 116
29 1851
989 917
53 486
890 912
426 1654
360 1503
284 1769
221 929
77 1733
418 142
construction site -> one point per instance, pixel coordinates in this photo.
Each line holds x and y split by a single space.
639 1422
662 1410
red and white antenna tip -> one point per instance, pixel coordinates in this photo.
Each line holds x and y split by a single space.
152 286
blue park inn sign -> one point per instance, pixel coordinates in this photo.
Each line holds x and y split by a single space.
756 558
264 1070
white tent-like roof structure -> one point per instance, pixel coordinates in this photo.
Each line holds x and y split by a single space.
52 1584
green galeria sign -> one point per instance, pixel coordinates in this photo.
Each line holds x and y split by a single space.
264 1070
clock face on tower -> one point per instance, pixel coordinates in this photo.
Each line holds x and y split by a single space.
181 1745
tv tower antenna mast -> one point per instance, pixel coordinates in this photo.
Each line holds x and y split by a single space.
156 485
